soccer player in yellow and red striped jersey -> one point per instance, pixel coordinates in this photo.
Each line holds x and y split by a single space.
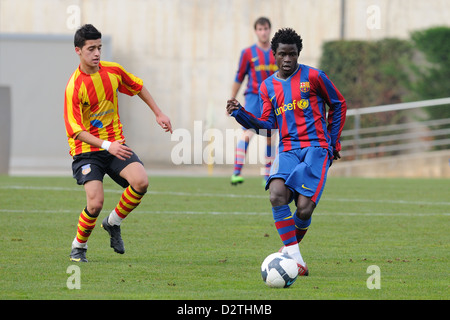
96 139
91 104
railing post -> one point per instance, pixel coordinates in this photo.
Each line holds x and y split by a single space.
356 135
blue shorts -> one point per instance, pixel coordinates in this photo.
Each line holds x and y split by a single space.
303 170
252 104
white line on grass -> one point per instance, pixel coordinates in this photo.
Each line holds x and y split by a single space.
390 214
231 195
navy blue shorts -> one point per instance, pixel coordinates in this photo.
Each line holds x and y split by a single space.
303 170
94 165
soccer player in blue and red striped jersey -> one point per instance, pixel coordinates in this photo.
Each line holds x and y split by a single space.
257 63
294 101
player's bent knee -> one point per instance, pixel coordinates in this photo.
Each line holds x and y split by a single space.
95 207
275 200
305 212
136 176
140 185
279 193
141 188
278 198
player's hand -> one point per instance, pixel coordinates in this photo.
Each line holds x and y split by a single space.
164 122
232 105
336 154
121 151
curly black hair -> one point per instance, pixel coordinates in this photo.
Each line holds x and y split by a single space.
286 36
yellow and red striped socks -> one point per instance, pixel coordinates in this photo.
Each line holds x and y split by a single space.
128 202
86 223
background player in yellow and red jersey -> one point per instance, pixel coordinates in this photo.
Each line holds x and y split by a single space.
96 139
257 63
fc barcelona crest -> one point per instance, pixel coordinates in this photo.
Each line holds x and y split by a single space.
304 86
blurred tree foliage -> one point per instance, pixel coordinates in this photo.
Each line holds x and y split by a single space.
369 73
431 78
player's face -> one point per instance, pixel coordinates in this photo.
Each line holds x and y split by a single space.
263 33
286 58
90 55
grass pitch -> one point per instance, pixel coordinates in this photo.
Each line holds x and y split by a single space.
201 238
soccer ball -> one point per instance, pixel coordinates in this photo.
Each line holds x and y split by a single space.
279 270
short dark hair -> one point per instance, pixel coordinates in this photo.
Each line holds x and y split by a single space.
286 36
262 21
86 32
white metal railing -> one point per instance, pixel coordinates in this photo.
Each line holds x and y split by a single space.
395 138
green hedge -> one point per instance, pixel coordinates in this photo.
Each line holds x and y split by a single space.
432 79
369 73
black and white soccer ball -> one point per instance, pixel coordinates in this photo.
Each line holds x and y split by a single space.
279 270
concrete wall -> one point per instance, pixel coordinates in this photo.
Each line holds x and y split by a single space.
187 50
36 69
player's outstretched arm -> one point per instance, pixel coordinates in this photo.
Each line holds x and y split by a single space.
161 118
248 120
